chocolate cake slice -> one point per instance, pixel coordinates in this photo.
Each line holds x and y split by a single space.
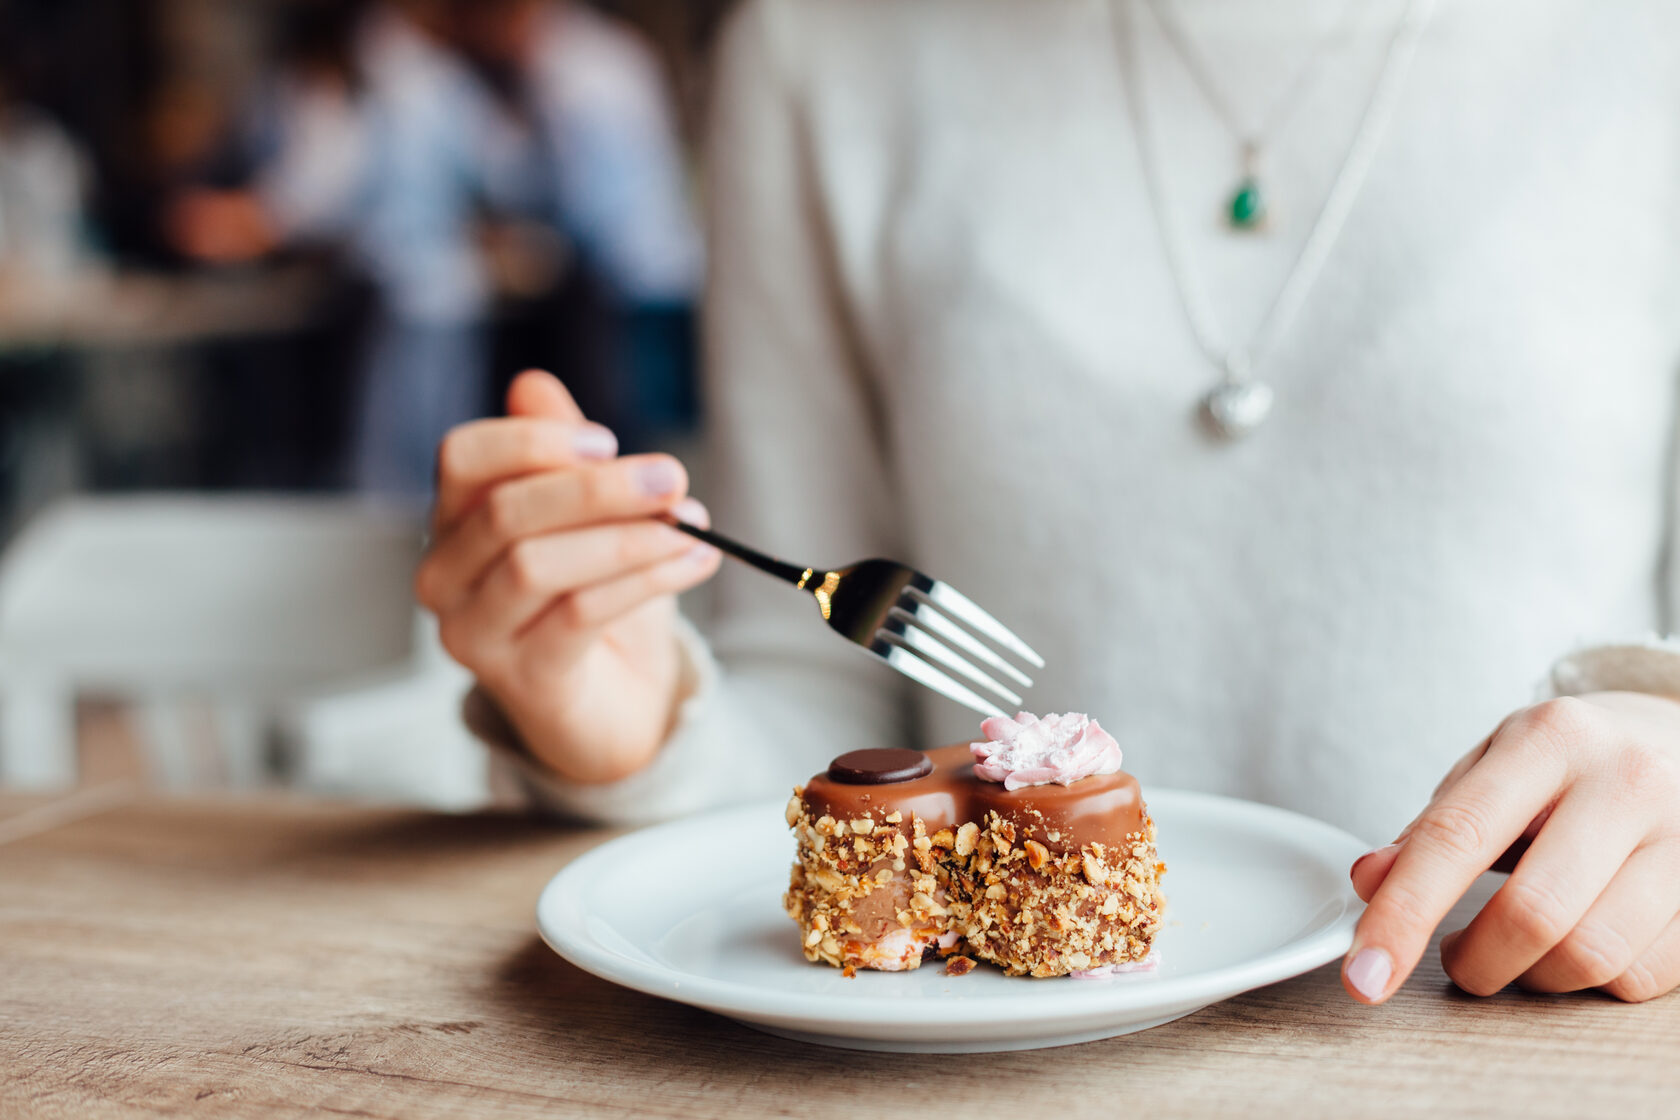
1030 849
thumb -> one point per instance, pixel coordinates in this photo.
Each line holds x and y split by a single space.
538 394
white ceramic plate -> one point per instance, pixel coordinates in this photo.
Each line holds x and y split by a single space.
691 911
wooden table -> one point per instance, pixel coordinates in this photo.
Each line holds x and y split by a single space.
224 957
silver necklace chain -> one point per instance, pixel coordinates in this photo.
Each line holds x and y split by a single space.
1239 402
1252 139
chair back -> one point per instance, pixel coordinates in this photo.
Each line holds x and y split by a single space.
246 603
253 595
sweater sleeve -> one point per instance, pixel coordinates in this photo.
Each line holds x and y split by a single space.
1649 665
799 471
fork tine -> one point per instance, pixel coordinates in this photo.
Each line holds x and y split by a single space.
931 618
964 609
933 649
911 665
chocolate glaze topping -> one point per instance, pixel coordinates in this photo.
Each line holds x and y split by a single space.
879 766
1102 809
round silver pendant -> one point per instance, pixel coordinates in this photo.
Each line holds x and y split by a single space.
1236 408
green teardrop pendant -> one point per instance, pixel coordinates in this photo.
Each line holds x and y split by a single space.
1248 205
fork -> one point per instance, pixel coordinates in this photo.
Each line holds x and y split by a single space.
907 619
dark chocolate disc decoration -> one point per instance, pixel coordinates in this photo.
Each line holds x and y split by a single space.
880 766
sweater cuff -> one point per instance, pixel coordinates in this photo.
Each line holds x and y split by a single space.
1651 665
661 789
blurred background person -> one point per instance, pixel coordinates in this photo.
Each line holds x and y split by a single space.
44 182
303 147
512 160
441 153
371 134
611 182
621 194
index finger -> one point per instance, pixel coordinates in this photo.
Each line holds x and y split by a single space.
538 393
1452 843
475 456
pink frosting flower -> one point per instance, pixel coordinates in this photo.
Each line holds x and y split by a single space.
1029 751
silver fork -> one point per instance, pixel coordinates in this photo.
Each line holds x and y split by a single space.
907 619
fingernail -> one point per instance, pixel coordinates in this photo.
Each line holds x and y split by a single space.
1386 849
690 512
700 555
592 441
1369 971
658 477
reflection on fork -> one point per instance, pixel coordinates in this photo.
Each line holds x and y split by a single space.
921 626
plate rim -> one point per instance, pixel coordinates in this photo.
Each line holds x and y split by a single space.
867 1009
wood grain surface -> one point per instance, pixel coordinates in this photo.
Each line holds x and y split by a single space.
277 957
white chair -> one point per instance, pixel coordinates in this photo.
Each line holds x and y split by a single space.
399 738
282 614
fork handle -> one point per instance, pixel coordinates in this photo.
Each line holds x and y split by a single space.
781 569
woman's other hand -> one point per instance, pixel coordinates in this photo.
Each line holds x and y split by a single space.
1580 799
555 584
